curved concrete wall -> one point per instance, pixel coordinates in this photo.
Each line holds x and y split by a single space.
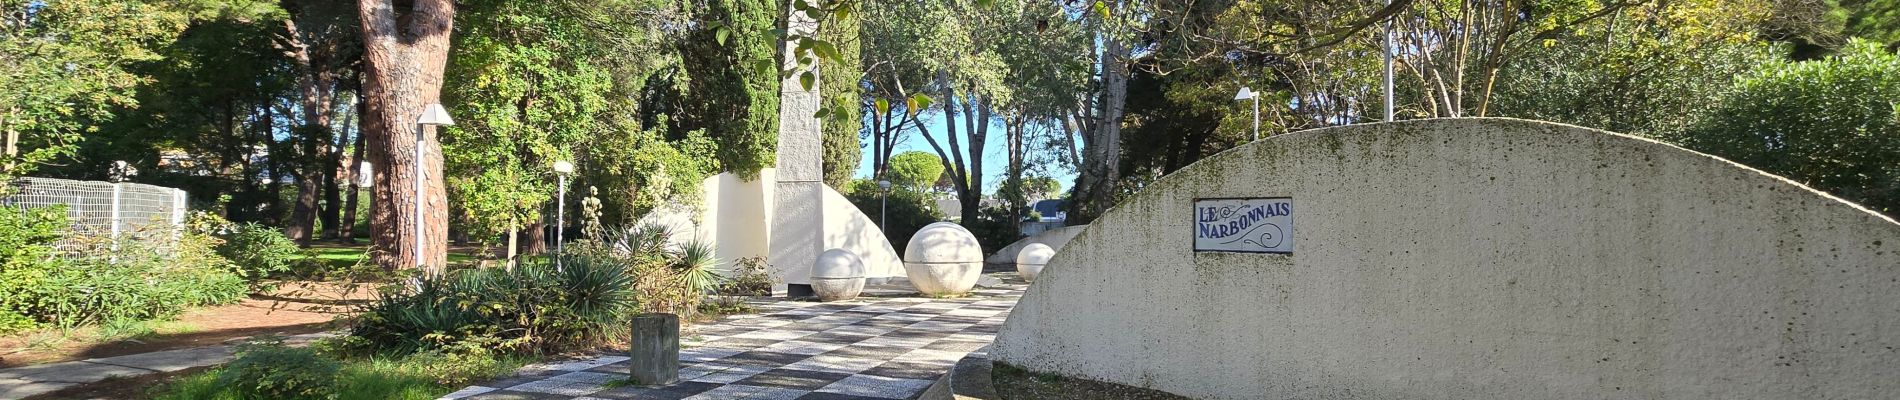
1055 238
735 219
848 228
1478 259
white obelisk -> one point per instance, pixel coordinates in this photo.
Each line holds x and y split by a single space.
798 221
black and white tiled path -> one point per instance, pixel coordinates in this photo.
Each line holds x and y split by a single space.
871 348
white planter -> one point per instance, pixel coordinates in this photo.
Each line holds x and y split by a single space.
943 259
1029 262
838 275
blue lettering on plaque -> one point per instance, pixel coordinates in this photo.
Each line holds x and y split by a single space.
1258 225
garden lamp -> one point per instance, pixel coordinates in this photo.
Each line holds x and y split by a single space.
433 114
561 169
1248 94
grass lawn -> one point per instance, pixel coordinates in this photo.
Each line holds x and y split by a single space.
342 256
422 376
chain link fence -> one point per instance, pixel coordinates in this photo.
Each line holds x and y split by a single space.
101 208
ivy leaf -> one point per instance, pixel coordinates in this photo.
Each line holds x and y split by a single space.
916 102
822 112
807 79
1102 8
883 107
827 51
720 34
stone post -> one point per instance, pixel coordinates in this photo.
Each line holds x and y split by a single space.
655 351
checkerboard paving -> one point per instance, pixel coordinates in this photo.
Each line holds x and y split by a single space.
872 348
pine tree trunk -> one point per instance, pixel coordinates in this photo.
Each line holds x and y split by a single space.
1013 138
1101 161
332 212
403 60
314 83
350 204
534 239
303 213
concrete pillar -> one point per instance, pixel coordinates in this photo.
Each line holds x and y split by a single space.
655 351
798 221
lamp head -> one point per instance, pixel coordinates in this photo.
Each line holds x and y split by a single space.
564 167
434 114
1245 93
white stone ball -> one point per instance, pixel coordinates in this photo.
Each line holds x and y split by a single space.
946 223
1030 260
838 263
943 242
943 259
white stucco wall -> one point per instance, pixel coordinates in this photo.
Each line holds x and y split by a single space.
848 228
734 218
1054 238
1478 259
738 232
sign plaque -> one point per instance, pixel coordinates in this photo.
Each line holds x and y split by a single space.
1249 225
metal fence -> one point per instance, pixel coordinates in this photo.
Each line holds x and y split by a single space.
101 208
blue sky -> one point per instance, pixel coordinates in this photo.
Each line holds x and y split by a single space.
995 152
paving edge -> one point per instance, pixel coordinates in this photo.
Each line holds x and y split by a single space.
969 380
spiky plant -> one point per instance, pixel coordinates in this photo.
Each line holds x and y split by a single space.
697 267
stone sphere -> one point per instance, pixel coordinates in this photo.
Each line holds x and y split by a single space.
838 263
943 259
838 275
945 223
1030 260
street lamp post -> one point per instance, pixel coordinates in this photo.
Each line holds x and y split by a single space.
1248 94
561 168
1388 66
435 115
884 202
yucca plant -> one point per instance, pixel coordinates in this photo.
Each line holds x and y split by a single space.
697 267
647 239
428 313
599 293
532 308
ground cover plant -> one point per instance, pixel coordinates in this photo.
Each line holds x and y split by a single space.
269 370
260 251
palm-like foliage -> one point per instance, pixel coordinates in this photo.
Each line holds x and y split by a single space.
537 307
534 307
696 267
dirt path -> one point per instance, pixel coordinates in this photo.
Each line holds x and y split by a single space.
292 309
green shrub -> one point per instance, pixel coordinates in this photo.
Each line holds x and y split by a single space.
749 278
268 370
144 274
994 229
260 251
26 256
134 277
1833 124
667 279
533 308
904 213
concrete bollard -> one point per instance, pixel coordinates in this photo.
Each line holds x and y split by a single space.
655 351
